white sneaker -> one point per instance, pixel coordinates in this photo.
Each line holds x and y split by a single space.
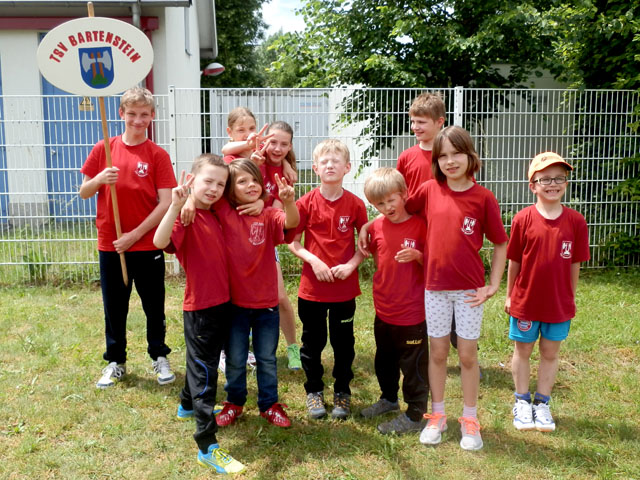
470 429
432 433
523 415
543 419
222 363
251 360
163 371
111 374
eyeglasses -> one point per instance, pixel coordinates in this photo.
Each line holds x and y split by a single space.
547 180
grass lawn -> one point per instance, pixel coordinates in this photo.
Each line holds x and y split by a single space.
54 423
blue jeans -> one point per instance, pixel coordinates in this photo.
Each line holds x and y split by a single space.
265 324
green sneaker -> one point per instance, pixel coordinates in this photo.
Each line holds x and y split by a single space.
219 460
293 354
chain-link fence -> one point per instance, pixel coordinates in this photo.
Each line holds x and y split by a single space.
48 233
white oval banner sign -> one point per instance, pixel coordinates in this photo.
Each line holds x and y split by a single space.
95 56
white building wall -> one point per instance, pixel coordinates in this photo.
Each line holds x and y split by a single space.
24 135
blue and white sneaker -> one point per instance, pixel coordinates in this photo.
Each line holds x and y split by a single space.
184 414
523 415
543 419
219 460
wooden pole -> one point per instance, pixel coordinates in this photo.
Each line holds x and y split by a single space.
107 152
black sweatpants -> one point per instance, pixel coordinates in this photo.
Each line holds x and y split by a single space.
403 348
146 271
313 316
205 333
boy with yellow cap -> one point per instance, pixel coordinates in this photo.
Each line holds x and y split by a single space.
548 241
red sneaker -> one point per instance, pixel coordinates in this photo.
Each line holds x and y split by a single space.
228 414
276 415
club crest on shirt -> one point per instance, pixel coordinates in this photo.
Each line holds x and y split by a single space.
142 169
343 223
468 225
565 250
409 243
524 325
270 187
256 234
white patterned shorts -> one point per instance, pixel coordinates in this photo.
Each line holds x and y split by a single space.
439 308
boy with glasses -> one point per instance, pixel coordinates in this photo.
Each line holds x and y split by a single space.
548 242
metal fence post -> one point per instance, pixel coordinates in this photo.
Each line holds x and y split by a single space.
458 105
173 149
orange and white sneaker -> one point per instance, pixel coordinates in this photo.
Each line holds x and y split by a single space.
228 414
276 415
432 433
470 429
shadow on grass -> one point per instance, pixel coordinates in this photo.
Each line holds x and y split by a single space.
325 442
582 443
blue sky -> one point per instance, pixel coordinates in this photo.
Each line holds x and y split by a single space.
280 14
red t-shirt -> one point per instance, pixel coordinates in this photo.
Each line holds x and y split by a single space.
328 228
545 250
415 166
250 243
144 169
270 186
398 288
200 250
457 223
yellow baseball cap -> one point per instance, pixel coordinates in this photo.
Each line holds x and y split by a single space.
544 160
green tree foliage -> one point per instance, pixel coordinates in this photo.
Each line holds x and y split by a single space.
417 43
240 28
596 44
288 72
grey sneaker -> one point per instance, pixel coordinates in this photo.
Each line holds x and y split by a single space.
381 406
315 405
400 424
163 371
111 374
341 406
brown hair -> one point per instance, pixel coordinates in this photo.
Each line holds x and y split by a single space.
382 182
462 142
238 113
285 127
137 95
428 105
235 168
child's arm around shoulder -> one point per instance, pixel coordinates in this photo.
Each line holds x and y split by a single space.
179 196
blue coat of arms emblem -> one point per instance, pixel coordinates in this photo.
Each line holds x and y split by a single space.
96 66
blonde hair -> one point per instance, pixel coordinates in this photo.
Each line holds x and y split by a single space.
207 159
428 105
237 114
331 145
462 142
235 168
285 127
137 95
382 182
